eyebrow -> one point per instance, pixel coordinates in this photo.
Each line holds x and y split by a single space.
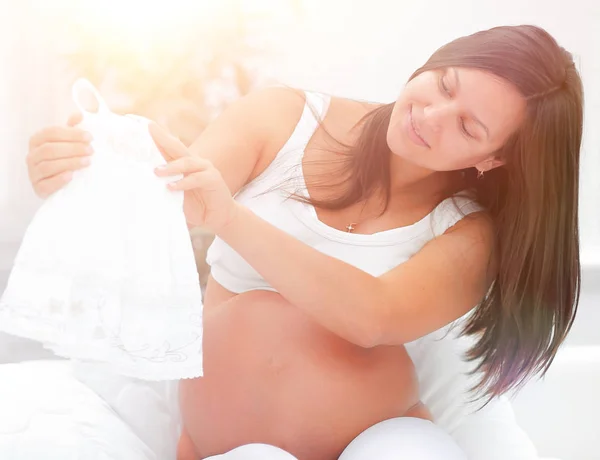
475 119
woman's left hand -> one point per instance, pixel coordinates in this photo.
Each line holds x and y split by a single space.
207 200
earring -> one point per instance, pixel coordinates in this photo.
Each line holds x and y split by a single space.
479 174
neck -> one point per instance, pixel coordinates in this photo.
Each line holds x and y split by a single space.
408 178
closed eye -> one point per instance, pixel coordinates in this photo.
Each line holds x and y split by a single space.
446 91
464 129
443 86
456 89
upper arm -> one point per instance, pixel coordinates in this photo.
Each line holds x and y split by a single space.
439 284
245 138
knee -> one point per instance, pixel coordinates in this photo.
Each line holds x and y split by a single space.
403 437
255 452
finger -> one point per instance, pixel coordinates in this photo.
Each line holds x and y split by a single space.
57 151
48 169
75 119
170 147
47 187
59 134
185 165
202 179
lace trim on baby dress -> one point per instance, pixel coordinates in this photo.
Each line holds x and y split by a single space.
106 271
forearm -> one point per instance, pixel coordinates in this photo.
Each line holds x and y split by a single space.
337 295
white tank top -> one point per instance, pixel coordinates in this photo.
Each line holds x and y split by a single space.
268 196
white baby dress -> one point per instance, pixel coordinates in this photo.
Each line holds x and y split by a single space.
106 270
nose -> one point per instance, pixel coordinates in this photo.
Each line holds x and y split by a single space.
434 115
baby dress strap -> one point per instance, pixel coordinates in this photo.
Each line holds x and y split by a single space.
83 84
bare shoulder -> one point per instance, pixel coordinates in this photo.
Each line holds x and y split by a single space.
274 101
277 110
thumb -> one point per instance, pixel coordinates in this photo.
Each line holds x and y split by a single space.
75 119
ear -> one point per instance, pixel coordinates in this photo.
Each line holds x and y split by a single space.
489 164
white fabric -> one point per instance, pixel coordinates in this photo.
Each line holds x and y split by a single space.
106 269
46 413
483 433
399 438
255 452
149 409
497 434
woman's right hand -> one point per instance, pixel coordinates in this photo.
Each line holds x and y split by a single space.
54 153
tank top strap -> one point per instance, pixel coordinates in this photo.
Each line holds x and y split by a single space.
315 109
287 165
451 210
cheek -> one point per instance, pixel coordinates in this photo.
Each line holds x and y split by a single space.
464 157
455 152
394 136
449 150
394 142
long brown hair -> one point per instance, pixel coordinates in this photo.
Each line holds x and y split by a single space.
533 200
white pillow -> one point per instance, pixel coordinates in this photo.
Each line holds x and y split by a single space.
46 413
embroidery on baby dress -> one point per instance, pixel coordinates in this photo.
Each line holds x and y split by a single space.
106 272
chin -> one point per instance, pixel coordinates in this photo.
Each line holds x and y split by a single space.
404 151
401 147
395 141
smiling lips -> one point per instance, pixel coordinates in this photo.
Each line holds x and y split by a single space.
415 131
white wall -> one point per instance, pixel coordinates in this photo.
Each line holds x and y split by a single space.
29 100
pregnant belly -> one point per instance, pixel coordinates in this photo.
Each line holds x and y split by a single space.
274 376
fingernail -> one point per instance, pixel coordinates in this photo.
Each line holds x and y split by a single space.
85 162
87 137
89 150
160 168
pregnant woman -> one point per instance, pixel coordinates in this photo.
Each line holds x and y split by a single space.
345 230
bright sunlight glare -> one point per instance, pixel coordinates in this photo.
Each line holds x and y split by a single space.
141 24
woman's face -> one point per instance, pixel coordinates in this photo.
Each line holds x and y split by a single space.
454 118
